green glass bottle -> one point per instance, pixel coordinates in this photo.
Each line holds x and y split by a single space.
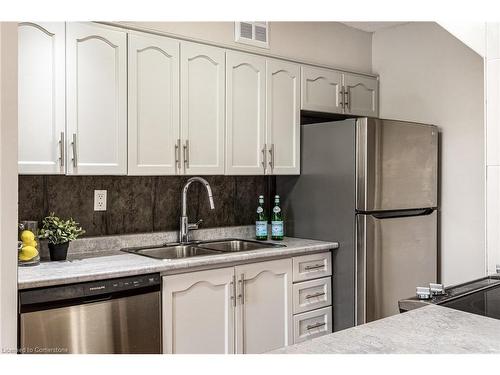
277 220
261 221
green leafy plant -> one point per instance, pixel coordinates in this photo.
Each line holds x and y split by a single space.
58 230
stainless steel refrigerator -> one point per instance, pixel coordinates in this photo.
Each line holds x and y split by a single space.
371 185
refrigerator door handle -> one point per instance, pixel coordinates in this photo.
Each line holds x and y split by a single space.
404 213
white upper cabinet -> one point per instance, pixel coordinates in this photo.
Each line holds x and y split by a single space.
283 117
264 318
96 79
245 114
41 106
153 105
327 90
202 108
321 90
360 95
96 101
198 312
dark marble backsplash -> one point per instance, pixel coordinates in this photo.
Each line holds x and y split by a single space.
137 204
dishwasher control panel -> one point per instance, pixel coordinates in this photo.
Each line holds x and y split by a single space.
119 285
88 289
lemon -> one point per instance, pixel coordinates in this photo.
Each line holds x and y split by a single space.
28 253
31 243
27 236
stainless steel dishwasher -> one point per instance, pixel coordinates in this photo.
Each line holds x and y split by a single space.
109 316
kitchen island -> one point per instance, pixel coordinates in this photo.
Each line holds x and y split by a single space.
427 330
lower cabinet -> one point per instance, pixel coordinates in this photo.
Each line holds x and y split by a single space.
242 309
312 296
198 312
264 312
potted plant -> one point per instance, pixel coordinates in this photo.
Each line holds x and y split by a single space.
59 233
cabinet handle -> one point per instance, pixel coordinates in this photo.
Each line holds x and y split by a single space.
75 151
186 154
241 283
347 101
61 149
341 103
264 159
319 294
317 325
271 156
315 267
178 154
233 291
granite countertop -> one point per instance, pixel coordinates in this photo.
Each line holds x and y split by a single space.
120 264
428 330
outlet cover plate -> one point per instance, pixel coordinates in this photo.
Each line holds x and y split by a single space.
100 198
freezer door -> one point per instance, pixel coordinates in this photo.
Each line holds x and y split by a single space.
394 255
396 165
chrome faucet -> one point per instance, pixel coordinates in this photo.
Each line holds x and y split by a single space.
185 226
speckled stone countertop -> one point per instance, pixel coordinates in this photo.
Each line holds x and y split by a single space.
428 330
119 264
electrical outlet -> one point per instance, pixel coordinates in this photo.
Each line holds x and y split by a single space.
100 200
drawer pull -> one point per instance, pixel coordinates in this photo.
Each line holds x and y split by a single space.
315 267
319 294
317 325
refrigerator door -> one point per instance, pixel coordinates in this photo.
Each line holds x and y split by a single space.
394 255
396 165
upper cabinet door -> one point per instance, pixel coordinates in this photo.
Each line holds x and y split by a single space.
245 114
198 312
153 105
321 90
361 95
41 98
264 310
96 99
202 108
283 117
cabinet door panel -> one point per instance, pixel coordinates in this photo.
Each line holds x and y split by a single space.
96 99
321 90
41 96
198 313
362 99
264 312
202 108
153 109
245 113
283 117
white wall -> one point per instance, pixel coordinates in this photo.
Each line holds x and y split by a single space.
328 43
493 145
470 33
8 186
427 75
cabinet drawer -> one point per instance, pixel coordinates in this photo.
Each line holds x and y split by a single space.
312 324
312 266
313 294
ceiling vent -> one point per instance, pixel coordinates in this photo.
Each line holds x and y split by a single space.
253 33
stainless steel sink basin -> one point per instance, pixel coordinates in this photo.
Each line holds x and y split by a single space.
196 249
172 251
233 245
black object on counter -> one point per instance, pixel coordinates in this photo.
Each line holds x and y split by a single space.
58 251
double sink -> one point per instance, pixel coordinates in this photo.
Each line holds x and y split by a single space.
200 248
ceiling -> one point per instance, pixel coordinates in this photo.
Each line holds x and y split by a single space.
372 26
